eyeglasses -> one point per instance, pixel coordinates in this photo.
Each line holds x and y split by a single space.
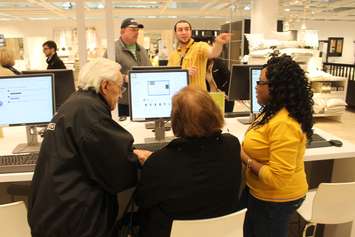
260 83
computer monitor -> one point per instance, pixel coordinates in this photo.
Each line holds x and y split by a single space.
239 86
27 100
254 77
63 81
163 62
151 92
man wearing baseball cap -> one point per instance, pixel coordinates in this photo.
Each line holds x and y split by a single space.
129 53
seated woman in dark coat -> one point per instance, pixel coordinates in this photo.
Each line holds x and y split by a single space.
196 175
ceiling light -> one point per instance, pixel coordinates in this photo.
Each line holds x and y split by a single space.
67 5
247 8
287 9
100 6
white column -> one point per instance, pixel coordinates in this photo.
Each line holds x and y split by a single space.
80 19
109 30
264 17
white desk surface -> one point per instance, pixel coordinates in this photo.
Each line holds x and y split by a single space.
16 135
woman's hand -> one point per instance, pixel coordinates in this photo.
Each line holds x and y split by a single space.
251 164
142 155
244 156
192 71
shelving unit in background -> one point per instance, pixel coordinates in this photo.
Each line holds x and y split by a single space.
329 88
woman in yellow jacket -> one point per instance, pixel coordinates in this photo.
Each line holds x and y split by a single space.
274 147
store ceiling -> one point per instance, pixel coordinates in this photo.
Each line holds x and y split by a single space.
290 10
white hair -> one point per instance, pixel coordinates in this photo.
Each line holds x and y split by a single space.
95 71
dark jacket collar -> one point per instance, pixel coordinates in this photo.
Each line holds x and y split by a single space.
193 141
92 93
51 58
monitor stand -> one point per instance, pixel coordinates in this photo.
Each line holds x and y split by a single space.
32 145
151 125
247 120
159 133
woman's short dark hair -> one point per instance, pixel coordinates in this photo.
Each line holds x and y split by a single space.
195 114
182 21
289 88
50 44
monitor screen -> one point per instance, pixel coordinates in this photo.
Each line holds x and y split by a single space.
254 77
239 86
151 92
63 81
26 100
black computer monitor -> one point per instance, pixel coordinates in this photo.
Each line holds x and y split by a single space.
254 77
163 62
150 95
63 81
239 86
27 100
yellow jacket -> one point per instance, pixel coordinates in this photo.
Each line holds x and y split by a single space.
196 55
280 146
5 72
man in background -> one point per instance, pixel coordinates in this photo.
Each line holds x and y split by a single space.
50 50
129 53
193 55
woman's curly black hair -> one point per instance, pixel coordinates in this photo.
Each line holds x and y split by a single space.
289 88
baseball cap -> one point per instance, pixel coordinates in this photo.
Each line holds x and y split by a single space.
131 22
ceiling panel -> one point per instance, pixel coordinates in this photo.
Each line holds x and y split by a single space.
289 10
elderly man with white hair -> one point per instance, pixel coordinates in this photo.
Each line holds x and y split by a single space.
86 158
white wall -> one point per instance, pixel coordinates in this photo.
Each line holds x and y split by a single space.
337 29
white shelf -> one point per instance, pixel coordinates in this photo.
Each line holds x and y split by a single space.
330 79
328 114
317 85
332 94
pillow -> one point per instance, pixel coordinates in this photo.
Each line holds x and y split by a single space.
256 41
335 102
260 53
290 44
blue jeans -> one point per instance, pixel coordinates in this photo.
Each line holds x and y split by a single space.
268 219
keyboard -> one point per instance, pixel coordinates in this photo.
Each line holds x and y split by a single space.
317 141
236 114
151 146
18 163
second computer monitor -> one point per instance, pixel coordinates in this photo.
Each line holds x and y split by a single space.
239 82
254 77
151 92
63 81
